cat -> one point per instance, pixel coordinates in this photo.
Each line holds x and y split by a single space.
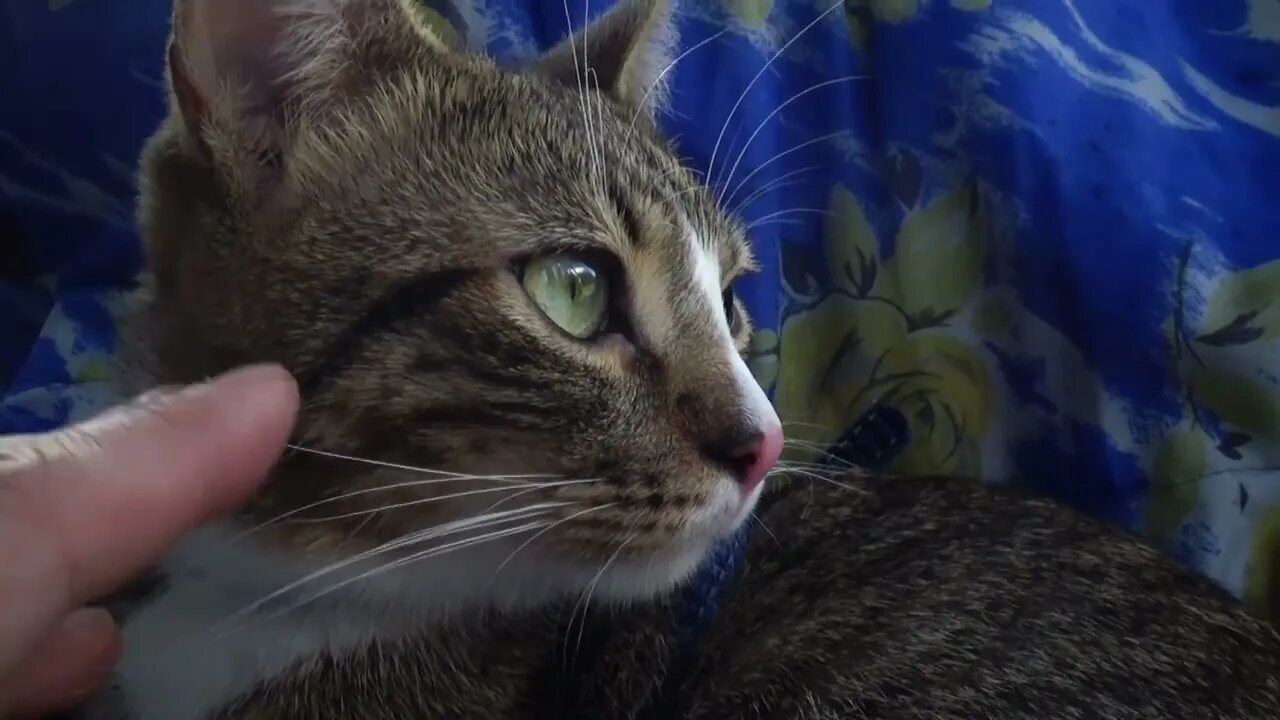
506 275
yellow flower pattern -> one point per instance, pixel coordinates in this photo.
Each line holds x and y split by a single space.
883 334
1226 362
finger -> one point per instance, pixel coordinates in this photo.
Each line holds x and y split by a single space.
69 665
76 527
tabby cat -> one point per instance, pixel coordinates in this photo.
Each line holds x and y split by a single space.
504 274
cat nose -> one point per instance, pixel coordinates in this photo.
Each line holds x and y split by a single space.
749 455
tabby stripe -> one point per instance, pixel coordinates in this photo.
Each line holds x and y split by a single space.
507 376
630 222
522 415
411 299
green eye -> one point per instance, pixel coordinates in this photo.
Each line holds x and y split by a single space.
570 291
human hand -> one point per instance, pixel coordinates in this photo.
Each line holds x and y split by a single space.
84 509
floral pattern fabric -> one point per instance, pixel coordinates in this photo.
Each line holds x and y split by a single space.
1042 230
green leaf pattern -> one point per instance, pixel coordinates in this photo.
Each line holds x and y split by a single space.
918 324
884 334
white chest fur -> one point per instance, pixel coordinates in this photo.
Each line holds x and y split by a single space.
194 648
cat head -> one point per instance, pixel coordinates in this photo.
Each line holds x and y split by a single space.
484 271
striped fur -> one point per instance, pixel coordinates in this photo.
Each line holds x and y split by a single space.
336 190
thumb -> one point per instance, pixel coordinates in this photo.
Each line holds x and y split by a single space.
85 509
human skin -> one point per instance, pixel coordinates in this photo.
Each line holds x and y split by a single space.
86 508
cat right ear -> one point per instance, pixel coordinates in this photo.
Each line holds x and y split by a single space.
627 53
244 71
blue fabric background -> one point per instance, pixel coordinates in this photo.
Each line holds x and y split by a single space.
1044 230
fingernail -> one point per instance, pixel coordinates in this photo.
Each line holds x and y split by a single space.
96 621
252 382
253 375
88 619
243 377
157 396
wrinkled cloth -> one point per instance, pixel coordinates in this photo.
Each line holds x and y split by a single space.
1039 229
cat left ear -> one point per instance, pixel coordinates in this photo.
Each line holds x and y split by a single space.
627 51
251 68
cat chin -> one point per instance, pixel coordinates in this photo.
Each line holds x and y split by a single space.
231 611
208 635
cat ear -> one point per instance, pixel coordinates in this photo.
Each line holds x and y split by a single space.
628 51
250 67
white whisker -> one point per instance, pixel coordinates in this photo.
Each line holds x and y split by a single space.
542 532
412 468
776 184
580 75
816 449
594 138
820 477
784 213
585 600
773 221
743 183
415 557
798 423
742 153
443 476
444 529
657 80
759 521
715 150
528 488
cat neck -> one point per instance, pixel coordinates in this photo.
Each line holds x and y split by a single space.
229 614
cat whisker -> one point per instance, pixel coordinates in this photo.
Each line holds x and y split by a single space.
539 534
472 523
585 600
413 558
759 521
784 213
657 80
594 134
412 468
716 148
818 450
812 88
776 184
675 196
223 627
816 476
801 443
818 467
580 75
285 516
527 488
684 164
797 423
839 462
758 168
774 221
513 496
443 477
449 528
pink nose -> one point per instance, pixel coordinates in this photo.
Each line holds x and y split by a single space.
750 458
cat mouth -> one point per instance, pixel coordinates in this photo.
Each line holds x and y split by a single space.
728 509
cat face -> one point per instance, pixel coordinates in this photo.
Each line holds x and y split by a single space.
481 271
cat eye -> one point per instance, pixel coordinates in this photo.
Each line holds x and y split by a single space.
571 291
730 309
